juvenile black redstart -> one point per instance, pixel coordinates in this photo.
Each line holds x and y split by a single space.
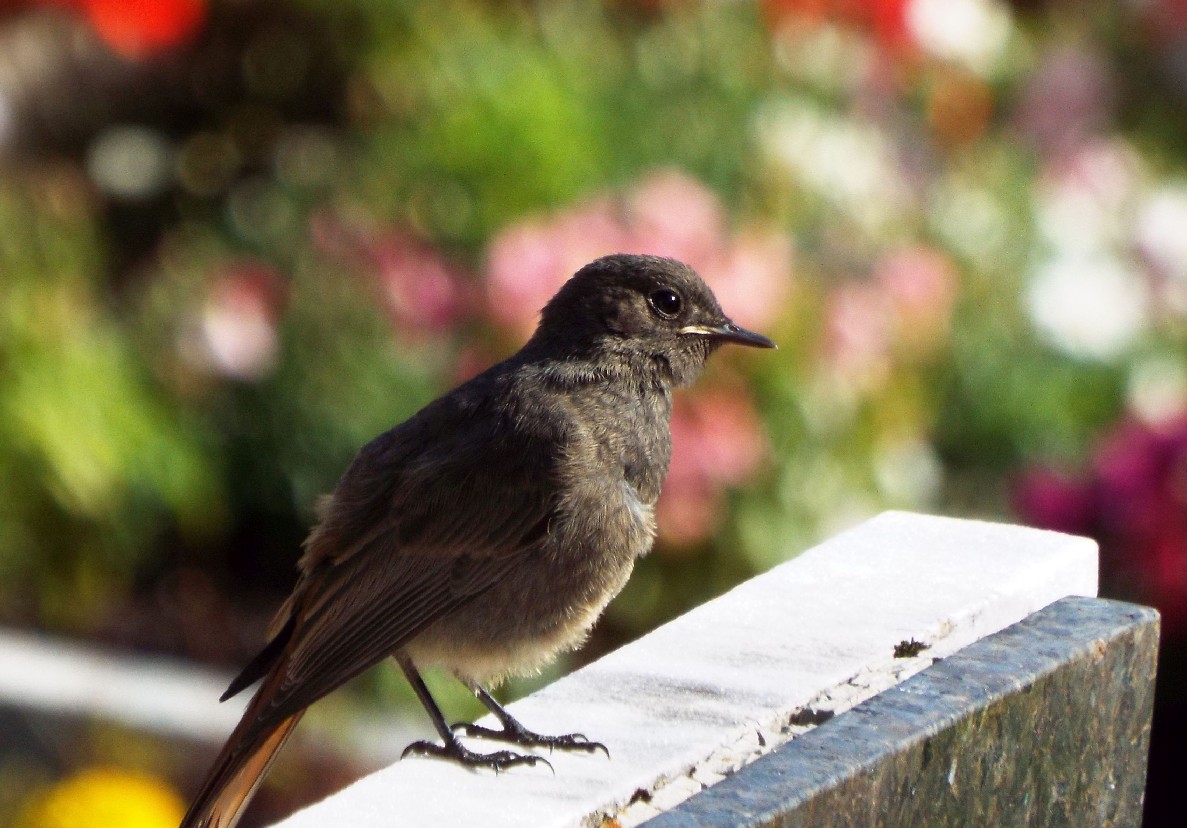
485 534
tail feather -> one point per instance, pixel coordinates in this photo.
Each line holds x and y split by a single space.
238 771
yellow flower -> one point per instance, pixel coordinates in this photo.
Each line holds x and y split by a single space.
106 797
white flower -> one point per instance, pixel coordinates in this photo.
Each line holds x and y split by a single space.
1161 229
1090 307
971 32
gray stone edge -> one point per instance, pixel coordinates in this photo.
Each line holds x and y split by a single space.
935 699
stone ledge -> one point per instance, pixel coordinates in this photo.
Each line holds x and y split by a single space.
1045 723
710 692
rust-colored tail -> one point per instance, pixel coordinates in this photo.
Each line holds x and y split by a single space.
238 770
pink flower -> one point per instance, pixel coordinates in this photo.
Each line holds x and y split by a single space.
919 284
717 442
672 214
857 335
752 277
905 309
528 262
667 214
423 293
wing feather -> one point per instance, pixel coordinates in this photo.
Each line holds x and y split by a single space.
428 516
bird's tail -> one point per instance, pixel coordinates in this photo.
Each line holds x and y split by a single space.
238 771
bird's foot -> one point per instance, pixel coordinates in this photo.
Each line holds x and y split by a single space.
517 734
456 751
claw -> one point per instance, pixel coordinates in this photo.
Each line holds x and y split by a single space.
523 736
497 761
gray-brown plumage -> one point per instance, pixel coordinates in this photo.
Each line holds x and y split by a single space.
485 534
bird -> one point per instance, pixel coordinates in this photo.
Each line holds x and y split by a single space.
484 535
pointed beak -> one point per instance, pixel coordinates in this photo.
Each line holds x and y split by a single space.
729 332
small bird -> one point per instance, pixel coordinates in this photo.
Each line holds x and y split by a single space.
486 534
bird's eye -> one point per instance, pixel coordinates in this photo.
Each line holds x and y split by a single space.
666 302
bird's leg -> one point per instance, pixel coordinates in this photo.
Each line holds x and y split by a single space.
452 748
516 733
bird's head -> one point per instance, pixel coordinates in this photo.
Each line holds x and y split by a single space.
641 313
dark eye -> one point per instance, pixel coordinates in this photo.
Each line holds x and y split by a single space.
666 302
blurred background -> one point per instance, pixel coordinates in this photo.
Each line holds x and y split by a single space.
239 238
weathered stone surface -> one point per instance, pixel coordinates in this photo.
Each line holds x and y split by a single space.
1046 723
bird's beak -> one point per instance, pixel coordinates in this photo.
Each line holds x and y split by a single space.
729 332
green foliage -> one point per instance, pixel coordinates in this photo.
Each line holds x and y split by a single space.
183 372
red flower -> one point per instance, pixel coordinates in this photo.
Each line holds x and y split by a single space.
886 19
141 28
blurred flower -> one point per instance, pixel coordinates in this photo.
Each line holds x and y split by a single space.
672 214
973 33
1156 388
238 322
130 162
1133 501
424 294
886 19
667 214
850 164
717 442
1090 307
904 310
752 277
1158 231
919 285
1068 99
856 336
106 797
1055 500
1084 198
141 28
529 261
959 108
909 473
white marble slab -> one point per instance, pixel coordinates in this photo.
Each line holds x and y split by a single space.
717 687
159 695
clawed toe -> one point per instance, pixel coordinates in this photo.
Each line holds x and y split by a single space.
526 738
497 761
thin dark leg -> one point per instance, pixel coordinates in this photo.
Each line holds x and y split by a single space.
453 749
516 733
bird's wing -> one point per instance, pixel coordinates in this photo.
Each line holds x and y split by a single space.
421 523
428 516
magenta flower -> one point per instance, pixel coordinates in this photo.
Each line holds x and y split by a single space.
1133 501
